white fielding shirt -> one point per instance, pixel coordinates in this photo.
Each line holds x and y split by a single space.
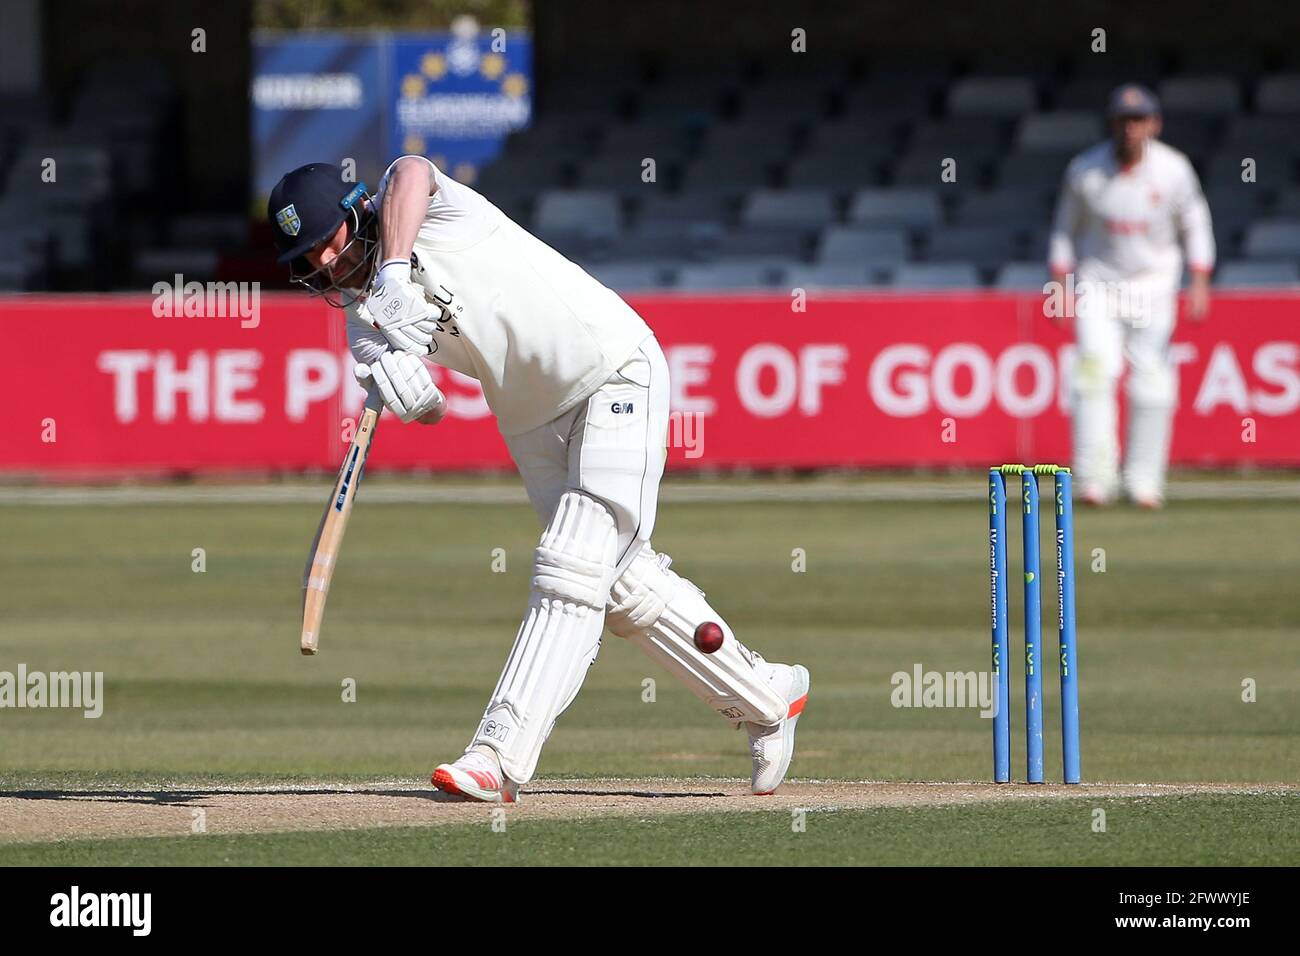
538 332
1114 223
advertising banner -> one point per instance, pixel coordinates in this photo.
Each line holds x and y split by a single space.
317 98
860 380
455 98
367 98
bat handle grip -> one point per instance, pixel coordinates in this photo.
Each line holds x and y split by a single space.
374 400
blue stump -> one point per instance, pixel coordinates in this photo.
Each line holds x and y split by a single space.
998 614
1033 630
1069 662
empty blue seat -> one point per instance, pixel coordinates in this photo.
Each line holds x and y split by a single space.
909 208
985 246
514 174
695 99
1287 203
803 97
832 275
734 274
551 136
663 139
1194 134
771 140
664 240
578 211
618 174
1031 170
1247 133
1271 164
935 275
1061 131
801 207
1273 238
738 170
1022 277
1007 96
1278 94
977 136
925 165
766 241
903 96
630 276
858 244
1256 273
841 172
1087 93
1202 95
703 205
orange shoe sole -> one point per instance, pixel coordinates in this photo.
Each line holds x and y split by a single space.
446 782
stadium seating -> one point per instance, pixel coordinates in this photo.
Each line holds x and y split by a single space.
1273 239
935 276
742 273
916 209
1200 95
831 177
1279 94
985 247
1022 277
847 244
1060 131
793 207
1001 96
639 276
75 177
834 275
826 174
1254 273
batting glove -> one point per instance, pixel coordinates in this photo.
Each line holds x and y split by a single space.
405 385
399 310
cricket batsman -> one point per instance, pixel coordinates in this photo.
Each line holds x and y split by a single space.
428 269
1130 211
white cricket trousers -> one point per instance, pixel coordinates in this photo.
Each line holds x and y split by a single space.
611 447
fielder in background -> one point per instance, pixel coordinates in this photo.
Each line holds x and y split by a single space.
1130 210
429 269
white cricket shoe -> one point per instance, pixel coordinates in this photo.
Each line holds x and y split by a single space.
773 746
476 776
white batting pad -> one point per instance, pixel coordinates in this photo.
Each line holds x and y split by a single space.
658 611
559 637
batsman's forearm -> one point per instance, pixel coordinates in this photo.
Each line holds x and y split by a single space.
405 202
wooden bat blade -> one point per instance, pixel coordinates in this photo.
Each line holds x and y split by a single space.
325 548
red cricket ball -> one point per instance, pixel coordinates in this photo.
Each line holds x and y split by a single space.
708 637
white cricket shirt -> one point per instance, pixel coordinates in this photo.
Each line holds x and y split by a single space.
537 331
1124 223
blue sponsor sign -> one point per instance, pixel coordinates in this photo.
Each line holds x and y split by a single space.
316 98
457 97
370 97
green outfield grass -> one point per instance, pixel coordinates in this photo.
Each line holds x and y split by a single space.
1173 831
204 680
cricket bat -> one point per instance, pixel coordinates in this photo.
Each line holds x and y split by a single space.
324 553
